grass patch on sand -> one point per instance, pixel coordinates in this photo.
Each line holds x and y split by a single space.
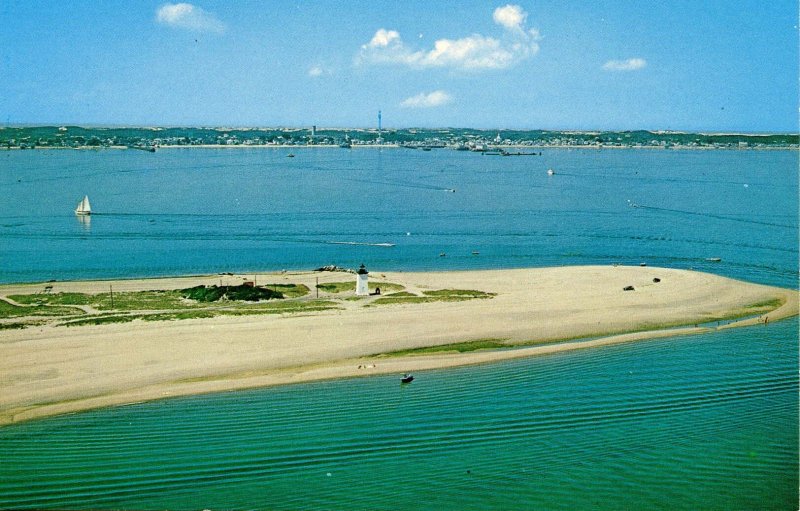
140 300
287 308
342 287
236 310
442 295
155 300
170 316
458 293
289 290
101 320
55 299
279 307
389 300
14 326
123 301
458 347
12 311
766 305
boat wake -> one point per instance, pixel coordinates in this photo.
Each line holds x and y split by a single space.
712 215
366 244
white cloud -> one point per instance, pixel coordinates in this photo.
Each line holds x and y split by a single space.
625 65
422 100
189 17
510 16
383 38
317 70
473 52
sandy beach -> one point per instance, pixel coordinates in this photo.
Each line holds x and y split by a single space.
49 370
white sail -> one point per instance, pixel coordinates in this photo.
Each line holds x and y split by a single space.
84 208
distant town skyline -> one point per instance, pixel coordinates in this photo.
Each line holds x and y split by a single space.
711 66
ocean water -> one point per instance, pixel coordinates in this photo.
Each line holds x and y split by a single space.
701 422
189 211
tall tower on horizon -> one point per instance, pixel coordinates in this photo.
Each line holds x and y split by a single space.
380 134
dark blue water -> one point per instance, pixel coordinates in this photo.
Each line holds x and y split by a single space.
702 422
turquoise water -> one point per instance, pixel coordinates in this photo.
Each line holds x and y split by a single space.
702 422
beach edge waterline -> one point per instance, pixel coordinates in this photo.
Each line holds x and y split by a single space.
365 358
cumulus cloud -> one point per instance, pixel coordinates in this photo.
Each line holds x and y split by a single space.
625 65
473 52
510 16
384 38
189 17
422 100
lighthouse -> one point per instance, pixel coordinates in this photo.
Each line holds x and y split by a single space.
362 287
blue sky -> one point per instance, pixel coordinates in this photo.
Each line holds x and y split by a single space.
700 65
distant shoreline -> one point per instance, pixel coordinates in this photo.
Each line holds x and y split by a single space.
397 146
478 140
50 369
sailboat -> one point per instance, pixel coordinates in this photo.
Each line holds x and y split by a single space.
84 208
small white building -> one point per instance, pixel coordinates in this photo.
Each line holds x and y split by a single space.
362 287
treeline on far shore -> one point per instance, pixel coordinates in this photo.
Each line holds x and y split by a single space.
33 137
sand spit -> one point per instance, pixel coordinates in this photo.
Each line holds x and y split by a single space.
51 370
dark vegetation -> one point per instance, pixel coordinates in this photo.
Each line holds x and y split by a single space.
242 292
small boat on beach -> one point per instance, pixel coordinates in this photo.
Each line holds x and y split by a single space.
407 378
84 208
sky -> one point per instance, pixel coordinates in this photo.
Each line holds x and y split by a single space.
686 65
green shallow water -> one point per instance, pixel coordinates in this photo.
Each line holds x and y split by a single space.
705 422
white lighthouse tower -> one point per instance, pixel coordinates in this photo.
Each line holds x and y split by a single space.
362 287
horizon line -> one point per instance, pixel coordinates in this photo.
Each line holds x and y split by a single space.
659 131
